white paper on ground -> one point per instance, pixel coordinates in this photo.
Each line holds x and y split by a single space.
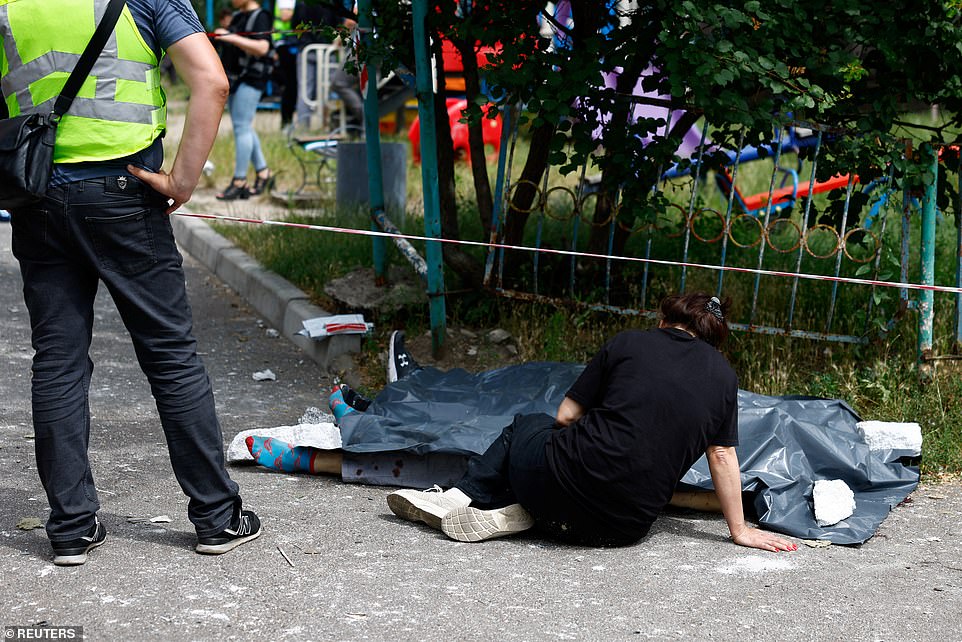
891 435
320 327
325 436
834 501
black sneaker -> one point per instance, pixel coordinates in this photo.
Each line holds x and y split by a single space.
354 399
400 363
74 552
243 528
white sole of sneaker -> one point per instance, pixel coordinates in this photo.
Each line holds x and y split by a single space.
411 509
391 360
219 549
78 559
475 525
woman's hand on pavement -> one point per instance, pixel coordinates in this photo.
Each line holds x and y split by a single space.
765 540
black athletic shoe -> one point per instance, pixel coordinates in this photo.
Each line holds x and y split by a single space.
354 399
74 552
400 363
243 528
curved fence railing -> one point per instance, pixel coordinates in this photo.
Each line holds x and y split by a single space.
756 230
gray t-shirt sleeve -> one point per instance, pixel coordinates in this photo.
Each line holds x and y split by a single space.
164 22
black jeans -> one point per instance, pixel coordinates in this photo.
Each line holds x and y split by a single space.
512 466
113 230
515 470
287 72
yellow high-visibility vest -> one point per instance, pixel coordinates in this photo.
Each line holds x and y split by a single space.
281 27
121 107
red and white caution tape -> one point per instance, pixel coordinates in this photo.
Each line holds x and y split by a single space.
591 255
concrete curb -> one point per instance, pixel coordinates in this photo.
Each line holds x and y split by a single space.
281 303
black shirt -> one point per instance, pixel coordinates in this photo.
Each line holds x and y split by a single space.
312 17
654 400
240 66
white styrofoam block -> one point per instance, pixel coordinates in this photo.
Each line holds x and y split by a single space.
834 501
325 436
891 435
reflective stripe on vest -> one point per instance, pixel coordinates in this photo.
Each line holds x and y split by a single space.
120 108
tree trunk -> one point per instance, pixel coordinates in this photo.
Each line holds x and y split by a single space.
621 112
465 266
445 152
479 170
523 195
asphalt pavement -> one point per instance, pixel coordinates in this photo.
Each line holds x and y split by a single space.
335 564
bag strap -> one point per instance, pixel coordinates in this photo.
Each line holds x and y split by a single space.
251 19
88 58
249 28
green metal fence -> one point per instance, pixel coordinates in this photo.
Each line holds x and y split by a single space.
788 274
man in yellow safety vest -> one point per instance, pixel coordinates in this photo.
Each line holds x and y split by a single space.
104 218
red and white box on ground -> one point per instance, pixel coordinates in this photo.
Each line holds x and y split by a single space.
320 327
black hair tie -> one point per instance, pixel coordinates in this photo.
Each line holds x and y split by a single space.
714 306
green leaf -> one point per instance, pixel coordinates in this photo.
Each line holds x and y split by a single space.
723 77
557 157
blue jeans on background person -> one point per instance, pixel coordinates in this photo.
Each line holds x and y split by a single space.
114 230
242 105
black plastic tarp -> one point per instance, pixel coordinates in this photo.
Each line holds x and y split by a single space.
454 411
786 443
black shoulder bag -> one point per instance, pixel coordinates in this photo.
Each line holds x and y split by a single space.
27 141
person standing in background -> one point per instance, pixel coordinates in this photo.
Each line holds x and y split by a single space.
285 46
248 63
311 18
345 85
104 218
223 21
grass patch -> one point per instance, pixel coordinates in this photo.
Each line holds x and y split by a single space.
307 259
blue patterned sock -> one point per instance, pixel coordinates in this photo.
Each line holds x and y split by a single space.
280 455
338 406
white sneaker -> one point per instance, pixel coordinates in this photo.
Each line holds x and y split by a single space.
471 524
427 506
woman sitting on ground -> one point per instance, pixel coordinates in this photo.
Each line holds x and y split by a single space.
602 469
